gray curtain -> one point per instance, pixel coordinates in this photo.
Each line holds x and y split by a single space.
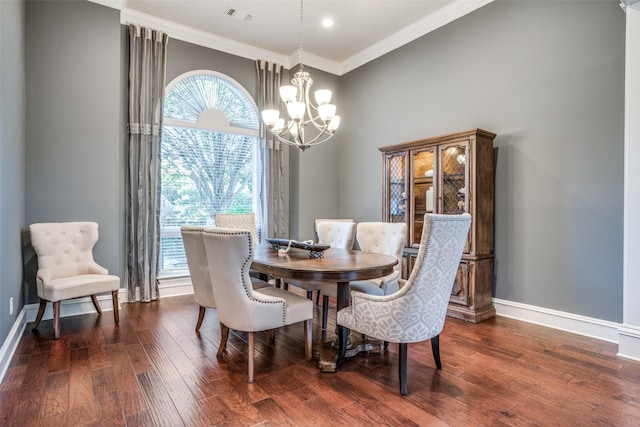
273 188
147 69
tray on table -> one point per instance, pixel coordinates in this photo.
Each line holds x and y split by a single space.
315 249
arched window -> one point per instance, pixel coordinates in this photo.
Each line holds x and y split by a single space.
209 157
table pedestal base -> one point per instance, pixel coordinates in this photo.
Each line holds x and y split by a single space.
327 353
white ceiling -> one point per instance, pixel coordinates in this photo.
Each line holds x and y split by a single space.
363 30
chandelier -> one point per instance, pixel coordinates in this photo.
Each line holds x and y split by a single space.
303 114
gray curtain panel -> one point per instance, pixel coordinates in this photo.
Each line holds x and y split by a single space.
147 68
274 213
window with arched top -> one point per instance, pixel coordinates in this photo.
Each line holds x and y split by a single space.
209 157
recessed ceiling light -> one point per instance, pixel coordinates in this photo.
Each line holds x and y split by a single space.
327 22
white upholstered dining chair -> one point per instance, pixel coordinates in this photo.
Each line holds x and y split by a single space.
199 269
66 268
239 306
417 311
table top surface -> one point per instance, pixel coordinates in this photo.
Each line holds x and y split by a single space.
337 265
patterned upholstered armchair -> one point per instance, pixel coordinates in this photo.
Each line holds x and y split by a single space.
66 268
241 221
417 311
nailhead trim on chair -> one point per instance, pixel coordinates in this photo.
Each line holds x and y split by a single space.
248 261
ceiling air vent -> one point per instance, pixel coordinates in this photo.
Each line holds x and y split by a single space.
240 15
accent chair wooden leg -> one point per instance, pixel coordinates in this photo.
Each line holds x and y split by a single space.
402 367
94 300
272 335
277 283
56 320
285 286
325 311
43 306
200 318
224 335
435 349
307 340
310 295
250 355
116 309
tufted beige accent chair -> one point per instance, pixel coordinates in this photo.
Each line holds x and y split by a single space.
417 311
338 234
199 269
239 306
66 268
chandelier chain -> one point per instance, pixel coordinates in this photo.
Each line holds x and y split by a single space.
301 35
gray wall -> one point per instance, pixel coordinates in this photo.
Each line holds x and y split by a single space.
548 78
74 167
12 139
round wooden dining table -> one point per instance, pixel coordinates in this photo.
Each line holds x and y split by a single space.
336 265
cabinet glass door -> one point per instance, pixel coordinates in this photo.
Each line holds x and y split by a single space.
453 195
396 170
422 193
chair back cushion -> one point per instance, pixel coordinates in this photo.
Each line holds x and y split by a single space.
65 249
229 255
242 221
338 234
383 238
197 261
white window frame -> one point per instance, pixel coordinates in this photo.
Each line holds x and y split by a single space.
215 127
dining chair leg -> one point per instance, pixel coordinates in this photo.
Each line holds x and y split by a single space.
200 318
94 300
251 342
116 309
402 367
435 349
325 311
43 306
56 320
318 297
307 340
310 295
224 335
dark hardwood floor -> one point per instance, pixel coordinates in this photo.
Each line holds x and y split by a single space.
153 369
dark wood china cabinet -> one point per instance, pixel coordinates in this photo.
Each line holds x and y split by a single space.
448 174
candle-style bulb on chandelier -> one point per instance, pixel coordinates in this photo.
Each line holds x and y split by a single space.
302 111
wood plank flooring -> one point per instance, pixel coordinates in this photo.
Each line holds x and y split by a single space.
155 370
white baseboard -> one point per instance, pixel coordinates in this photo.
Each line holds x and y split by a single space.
574 323
9 346
629 342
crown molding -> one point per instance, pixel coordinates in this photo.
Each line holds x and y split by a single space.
315 61
114 4
412 32
188 34
201 38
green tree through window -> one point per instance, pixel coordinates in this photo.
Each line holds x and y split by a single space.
209 157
